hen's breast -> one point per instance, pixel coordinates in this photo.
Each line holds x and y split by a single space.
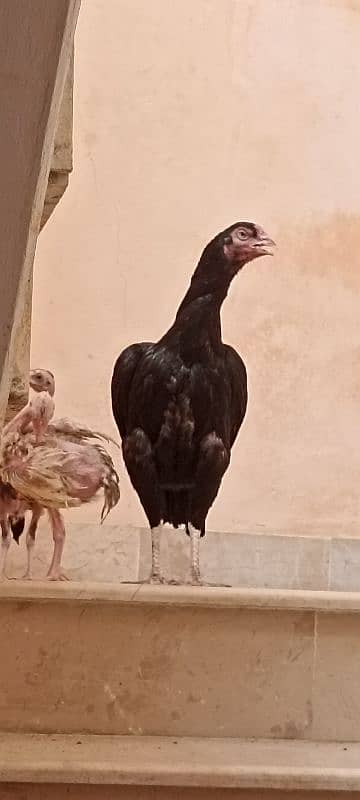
173 402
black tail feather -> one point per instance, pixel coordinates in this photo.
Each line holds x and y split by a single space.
17 525
176 507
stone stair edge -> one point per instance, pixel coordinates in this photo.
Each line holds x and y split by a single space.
183 595
170 761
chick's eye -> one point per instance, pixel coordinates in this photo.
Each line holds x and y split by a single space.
242 234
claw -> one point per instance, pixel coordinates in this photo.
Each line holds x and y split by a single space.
156 580
57 576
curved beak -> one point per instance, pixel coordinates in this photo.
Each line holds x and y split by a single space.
265 245
33 381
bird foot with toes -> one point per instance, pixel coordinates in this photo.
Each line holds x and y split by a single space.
156 580
207 584
57 576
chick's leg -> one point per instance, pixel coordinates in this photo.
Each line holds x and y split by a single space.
58 528
6 537
30 542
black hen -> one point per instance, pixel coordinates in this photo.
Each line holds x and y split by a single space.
179 403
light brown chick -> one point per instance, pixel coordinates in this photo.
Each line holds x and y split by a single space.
54 470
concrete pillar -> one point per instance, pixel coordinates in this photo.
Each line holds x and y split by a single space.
62 156
61 166
20 356
35 53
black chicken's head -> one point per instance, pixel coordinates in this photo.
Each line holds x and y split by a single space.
234 247
224 257
245 241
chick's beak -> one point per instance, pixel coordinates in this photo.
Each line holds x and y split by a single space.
33 381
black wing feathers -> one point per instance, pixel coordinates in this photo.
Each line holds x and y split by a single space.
238 380
123 375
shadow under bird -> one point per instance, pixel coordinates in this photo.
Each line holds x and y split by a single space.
179 403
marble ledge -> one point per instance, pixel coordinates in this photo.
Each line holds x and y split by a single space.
186 595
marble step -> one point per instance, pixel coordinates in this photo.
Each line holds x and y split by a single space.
129 767
179 661
114 553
